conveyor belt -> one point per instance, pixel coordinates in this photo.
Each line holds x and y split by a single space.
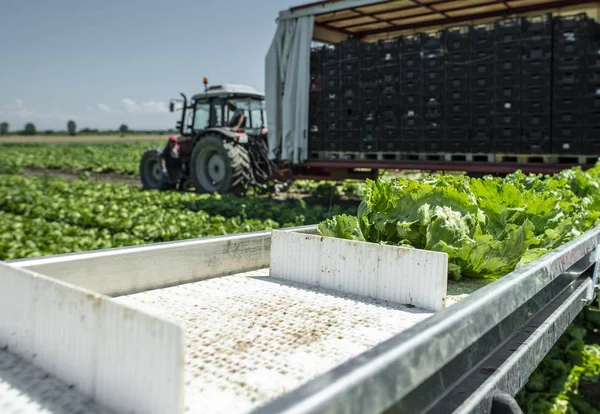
250 338
26 389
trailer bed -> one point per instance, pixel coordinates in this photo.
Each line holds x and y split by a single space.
251 338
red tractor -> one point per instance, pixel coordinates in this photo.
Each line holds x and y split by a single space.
223 144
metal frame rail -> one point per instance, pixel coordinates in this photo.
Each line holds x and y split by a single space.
454 361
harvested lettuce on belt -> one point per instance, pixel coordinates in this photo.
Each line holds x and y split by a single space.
487 226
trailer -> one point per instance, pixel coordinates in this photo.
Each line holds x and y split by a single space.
496 140
282 321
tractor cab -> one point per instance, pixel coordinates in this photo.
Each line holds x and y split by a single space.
220 106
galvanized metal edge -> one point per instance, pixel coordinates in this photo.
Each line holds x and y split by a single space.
382 376
127 270
513 374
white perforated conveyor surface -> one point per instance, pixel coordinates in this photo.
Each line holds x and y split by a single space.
26 389
250 338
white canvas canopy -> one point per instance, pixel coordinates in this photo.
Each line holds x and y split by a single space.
287 84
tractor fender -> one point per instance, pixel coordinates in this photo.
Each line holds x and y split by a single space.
238 137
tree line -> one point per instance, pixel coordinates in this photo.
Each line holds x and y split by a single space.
30 129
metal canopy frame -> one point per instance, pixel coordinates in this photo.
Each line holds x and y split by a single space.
364 18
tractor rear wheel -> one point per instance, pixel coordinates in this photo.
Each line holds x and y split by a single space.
151 171
220 166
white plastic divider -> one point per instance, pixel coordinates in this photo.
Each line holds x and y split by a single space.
397 274
125 359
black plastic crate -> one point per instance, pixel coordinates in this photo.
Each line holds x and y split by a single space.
331 70
411 62
331 104
414 121
370 75
412 100
575 23
350 101
350 79
564 89
567 104
332 115
332 145
349 135
369 89
482 107
481 36
536 51
411 87
508 65
412 75
533 66
434 90
536 121
331 85
513 94
508 79
458 56
507 119
503 106
569 49
567 118
315 142
350 46
433 145
457 108
410 138
369 103
411 44
538 106
535 141
508 50
437 76
389 51
390 142
350 146
485 95
368 146
350 66
506 146
591 102
505 134
591 118
566 139
331 53
537 24
483 68
455 83
478 144
390 96
482 56
592 61
458 95
481 82
481 120
568 63
508 30
537 79
434 62
535 92
591 133
457 70
457 120
458 134
456 38
350 111
389 75
432 41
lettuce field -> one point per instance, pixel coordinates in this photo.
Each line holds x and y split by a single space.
487 226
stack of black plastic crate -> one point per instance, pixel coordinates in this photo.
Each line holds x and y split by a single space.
434 92
350 121
315 114
411 88
457 105
369 78
508 85
536 53
481 80
388 72
330 99
570 36
591 92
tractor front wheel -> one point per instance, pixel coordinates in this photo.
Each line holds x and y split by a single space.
220 166
151 171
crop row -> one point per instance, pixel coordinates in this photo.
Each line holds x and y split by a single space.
121 157
125 215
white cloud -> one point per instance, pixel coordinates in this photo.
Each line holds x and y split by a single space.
147 107
104 108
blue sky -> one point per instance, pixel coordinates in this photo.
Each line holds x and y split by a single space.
109 62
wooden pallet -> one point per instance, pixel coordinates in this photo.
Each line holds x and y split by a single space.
458 157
